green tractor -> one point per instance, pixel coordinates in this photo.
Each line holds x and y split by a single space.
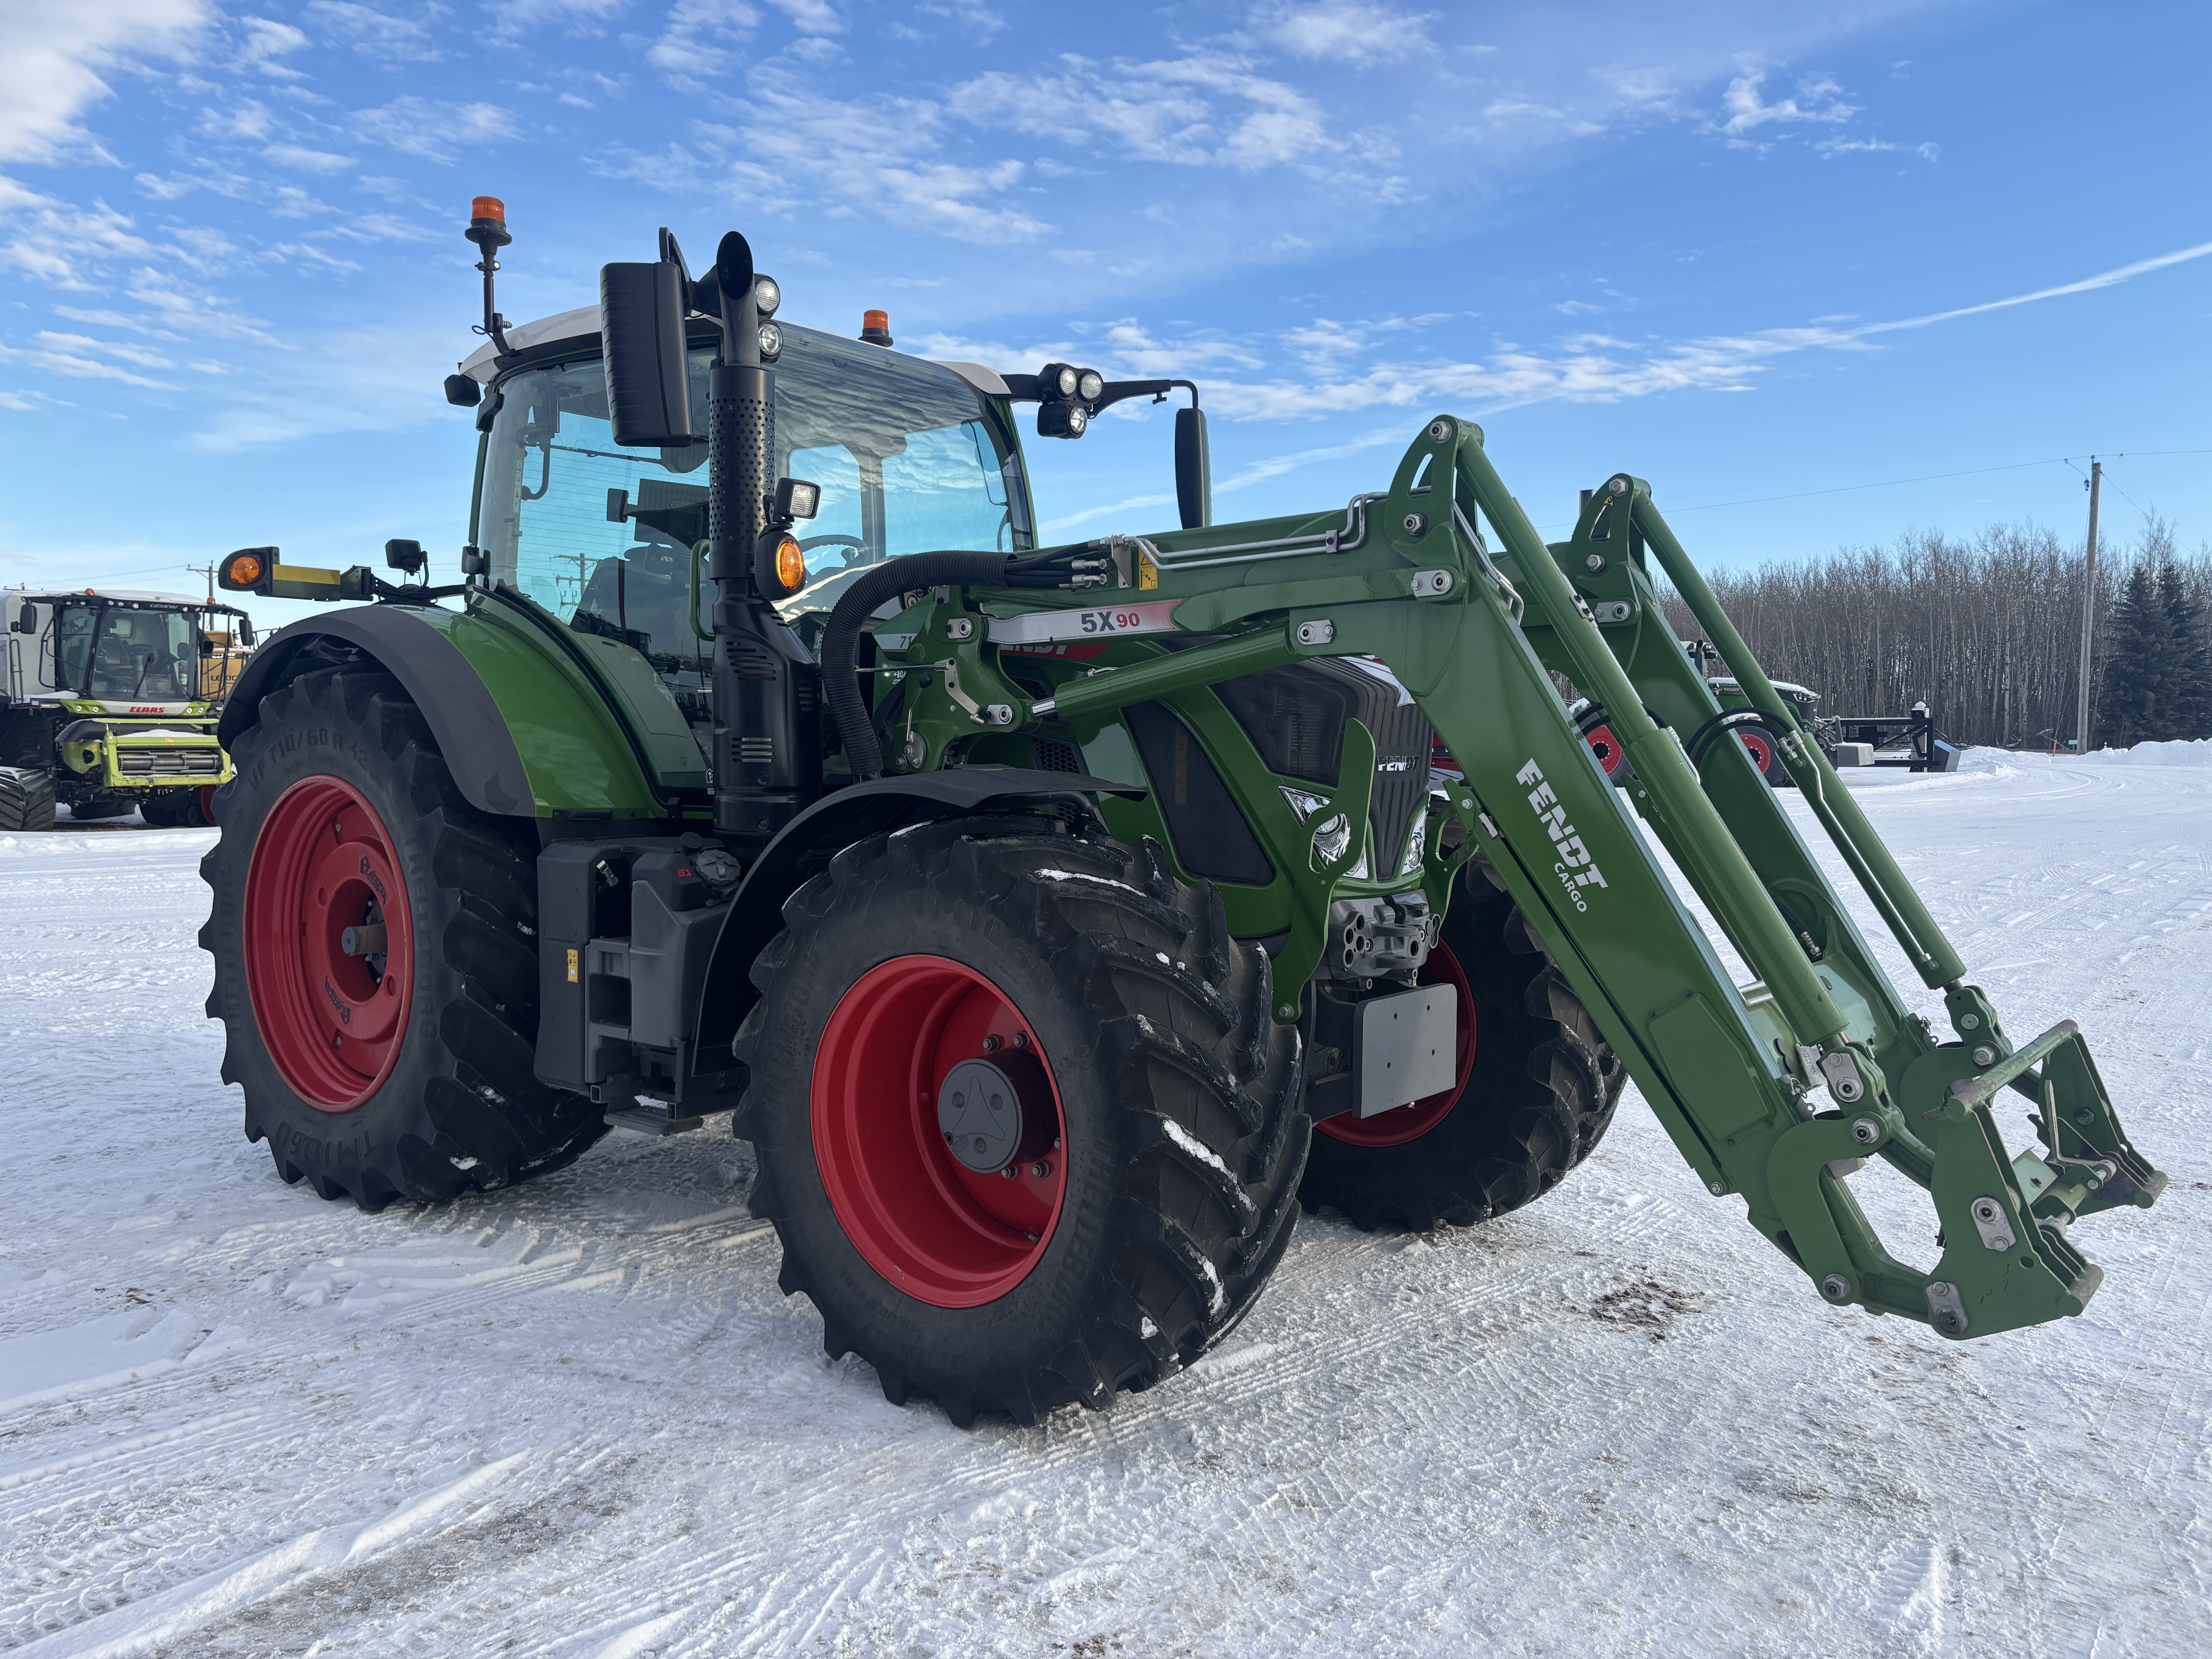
1055 921
108 704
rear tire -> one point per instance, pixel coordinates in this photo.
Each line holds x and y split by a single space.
1538 1094
407 1072
1177 1101
27 799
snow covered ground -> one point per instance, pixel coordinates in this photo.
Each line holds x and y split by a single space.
578 1418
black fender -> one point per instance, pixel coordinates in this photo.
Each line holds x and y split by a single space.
471 733
837 820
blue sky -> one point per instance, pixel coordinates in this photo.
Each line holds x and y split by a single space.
1748 250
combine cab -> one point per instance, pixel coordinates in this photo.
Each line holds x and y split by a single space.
1054 919
110 705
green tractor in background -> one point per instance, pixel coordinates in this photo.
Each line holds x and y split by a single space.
1055 921
108 704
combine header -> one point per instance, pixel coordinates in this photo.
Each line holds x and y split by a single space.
1054 919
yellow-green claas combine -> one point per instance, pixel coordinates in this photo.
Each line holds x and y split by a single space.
108 704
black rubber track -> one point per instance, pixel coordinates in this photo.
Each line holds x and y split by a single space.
1539 1099
463 1110
1183 1104
27 799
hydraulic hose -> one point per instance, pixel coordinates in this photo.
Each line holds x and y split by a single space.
840 679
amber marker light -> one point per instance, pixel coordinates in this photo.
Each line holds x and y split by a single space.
790 565
242 571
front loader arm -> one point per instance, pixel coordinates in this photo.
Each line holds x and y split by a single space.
1736 1074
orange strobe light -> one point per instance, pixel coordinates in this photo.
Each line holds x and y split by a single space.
790 565
243 571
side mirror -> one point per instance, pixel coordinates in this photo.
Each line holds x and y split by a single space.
27 619
1193 469
245 632
207 647
641 320
406 556
462 392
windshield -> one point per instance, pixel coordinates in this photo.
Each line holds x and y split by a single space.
909 457
120 655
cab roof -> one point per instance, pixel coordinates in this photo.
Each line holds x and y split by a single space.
115 595
582 326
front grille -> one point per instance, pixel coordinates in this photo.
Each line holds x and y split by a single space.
169 763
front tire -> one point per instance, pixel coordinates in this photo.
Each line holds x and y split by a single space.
398 1062
1536 1090
1155 1164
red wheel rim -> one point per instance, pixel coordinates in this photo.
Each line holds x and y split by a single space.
1762 752
1413 1120
207 802
939 1230
1605 747
331 1021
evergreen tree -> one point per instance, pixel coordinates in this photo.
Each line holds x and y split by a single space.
2187 710
2138 666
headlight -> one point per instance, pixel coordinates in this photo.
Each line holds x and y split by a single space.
771 341
1066 381
1078 418
1089 385
766 296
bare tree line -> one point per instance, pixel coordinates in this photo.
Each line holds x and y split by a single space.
1987 631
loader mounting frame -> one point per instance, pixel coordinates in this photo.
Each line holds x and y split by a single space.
1735 1072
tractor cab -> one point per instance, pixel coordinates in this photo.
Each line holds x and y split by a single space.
908 456
113 695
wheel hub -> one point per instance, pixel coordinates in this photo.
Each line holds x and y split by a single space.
989 1120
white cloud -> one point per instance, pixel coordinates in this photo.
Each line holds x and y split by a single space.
59 242
811 16
310 161
687 48
1206 108
62 355
51 56
1589 368
578 16
1345 32
881 155
416 126
267 42
376 35
1820 98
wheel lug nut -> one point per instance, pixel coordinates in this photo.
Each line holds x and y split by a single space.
1010 1173
991 1043
1040 1169
1021 1039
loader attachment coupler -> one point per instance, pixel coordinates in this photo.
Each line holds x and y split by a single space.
1777 1090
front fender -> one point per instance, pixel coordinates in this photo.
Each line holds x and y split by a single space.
524 731
838 820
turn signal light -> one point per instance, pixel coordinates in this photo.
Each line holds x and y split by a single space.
245 570
790 565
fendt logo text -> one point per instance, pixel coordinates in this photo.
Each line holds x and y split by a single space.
1575 869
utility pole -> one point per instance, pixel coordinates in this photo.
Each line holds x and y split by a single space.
2088 609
